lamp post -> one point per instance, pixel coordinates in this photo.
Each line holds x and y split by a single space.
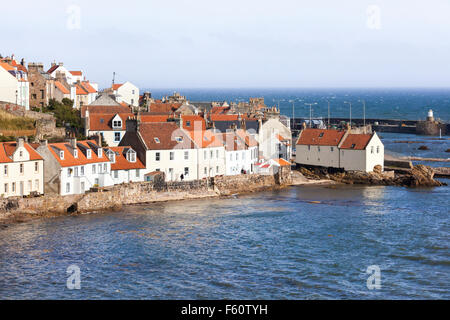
293 116
350 112
310 112
328 114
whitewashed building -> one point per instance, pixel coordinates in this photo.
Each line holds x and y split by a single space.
14 85
126 92
339 149
110 126
74 167
125 165
210 153
238 158
21 169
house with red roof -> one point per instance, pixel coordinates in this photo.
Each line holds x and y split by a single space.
126 92
14 85
73 167
125 165
21 169
110 126
339 149
210 152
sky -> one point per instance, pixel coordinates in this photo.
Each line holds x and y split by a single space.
237 43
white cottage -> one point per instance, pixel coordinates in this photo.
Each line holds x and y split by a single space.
125 165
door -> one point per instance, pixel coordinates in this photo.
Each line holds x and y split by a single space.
21 188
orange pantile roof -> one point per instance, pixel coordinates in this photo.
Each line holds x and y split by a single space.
162 136
154 118
87 87
282 162
7 150
248 138
116 86
103 121
163 108
104 109
19 66
227 117
121 162
76 73
80 90
7 67
192 122
320 137
206 138
69 160
61 87
232 142
356 141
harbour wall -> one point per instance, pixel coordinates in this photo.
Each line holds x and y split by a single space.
139 193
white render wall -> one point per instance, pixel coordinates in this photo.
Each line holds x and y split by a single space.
108 136
235 161
126 176
177 164
327 156
267 138
77 178
125 94
8 86
214 164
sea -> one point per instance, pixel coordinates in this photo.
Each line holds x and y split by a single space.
303 242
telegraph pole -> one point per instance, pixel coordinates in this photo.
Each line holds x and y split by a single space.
328 114
350 112
310 112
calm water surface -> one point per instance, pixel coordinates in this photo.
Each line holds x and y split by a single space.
272 245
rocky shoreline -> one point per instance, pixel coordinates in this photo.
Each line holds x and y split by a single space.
417 176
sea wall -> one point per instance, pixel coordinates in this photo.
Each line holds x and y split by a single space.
138 193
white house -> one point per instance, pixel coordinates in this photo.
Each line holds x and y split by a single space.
252 147
210 153
21 169
126 92
275 140
362 152
339 149
14 85
237 156
58 69
110 126
125 165
163 146
74 167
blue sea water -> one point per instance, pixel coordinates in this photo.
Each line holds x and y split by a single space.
408 104
270 245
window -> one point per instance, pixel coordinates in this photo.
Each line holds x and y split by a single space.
13 187
82 170
188 123
116 174
157 156
186 171
321 135
21 168
88 153
217 169
131 156
105 167
116 136
61 155
6 188
99 168
332 149
96 181
353 146
117 124
211 154
156 140
76 172
21 153
378 149
82 186
179 139
204 154
93 168
75 153
158 170
371 149
309 148
318 148
5 171
132 91
237 156
171 155
67 187
217 154
186 155
69 172
132 101
138 173
30 185
99 152
205 170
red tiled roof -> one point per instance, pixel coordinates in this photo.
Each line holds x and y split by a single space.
193 122
80 90
163 108
69 159
7 67
53 68
282 162
166 133
232 142
206 138
320 137
104 109
76 73
249 140
87 87
154 118
356 141
227 117
103 121
61 87
19 66
121 162
7 150
116 86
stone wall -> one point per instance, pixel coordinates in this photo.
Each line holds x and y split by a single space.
136 193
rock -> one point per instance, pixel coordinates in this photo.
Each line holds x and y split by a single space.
377 169
423 148
448 150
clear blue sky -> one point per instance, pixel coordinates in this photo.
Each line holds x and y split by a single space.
238 43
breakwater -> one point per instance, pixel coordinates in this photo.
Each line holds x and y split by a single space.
17 208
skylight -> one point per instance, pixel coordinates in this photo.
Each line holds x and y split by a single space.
156 140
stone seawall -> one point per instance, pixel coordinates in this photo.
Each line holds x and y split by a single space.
19 209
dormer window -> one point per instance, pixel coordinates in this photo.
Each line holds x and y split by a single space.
88 153
100 153
156 140
61 155
75 153
117 124
179 139
188 123
321 135
112 156
353 146
131 156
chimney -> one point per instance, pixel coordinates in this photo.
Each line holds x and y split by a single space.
60 64
43 143
20 142
73 142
